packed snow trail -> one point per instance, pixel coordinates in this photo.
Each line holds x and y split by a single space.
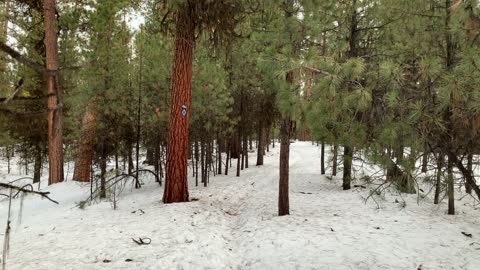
234 225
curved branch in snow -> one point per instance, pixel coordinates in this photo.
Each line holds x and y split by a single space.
24 190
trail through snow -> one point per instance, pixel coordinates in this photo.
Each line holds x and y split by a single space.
234 225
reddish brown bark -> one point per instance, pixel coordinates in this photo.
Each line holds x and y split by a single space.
55 144
86 143
303 137
176 185
285 135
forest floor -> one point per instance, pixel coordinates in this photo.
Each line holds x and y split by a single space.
233 225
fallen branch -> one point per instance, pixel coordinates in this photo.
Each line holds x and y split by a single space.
24 190
142 241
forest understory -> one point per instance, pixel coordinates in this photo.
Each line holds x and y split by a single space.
233 224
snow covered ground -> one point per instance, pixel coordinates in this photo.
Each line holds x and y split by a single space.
233 225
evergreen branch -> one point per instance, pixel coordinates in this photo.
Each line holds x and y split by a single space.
318 71
15 91
21 59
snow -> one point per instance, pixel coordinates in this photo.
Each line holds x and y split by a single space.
234 225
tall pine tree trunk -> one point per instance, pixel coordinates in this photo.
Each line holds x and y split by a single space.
260 144
85 151
55 115
176 184
347 167
285 135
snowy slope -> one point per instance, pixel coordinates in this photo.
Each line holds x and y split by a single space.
233 225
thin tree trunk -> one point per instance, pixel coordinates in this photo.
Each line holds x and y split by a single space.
9 157
273 137
103 173
176 184
322 159
242 166
219 153
425 159
468 187
197 157
137 142
203 161
260 145
25 158
55 115
239 147
470 178
228 158
347 167
245 150
438 180
450 188
160 163
156 158
267 139
130 157
117 169
38 163
335 160
210 162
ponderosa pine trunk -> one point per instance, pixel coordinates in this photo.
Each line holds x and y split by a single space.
347 167
55 117
285 135
176 184
85 151
260 144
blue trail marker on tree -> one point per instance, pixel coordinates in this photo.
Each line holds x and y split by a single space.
184 110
